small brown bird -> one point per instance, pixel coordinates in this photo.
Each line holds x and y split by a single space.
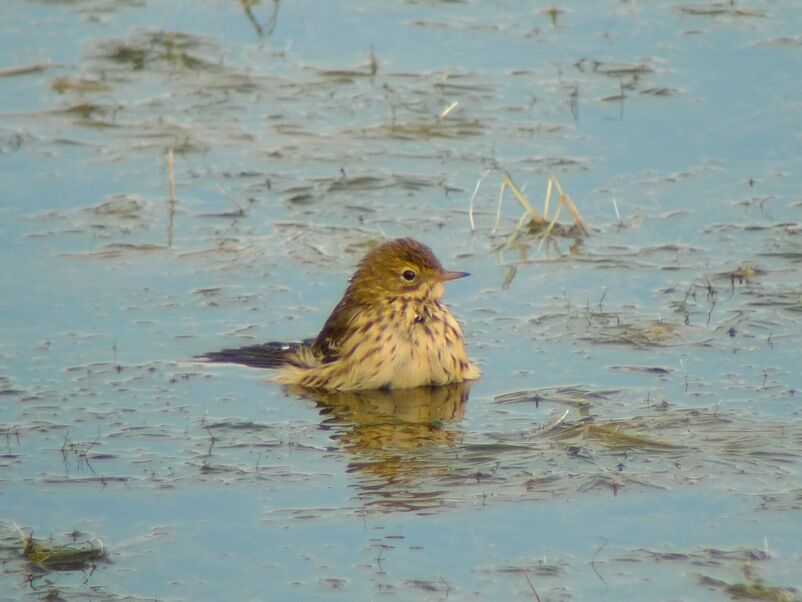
390 330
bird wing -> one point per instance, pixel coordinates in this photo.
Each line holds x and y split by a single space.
324 349
337 328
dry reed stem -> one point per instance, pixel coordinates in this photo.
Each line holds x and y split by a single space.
572 208
473 199
498 208
547 200
12 71
448 109
541 223
536 217
553 424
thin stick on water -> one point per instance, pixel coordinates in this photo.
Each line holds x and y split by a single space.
448 109
532 587
498 209
473 197
547 200
171 192
23 69
550 426
239 210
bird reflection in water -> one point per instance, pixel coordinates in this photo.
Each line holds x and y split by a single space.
402 440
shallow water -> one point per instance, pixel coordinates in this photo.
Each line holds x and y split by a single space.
636 432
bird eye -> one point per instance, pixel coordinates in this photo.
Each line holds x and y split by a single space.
409 275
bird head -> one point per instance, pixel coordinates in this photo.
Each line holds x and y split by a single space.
400 268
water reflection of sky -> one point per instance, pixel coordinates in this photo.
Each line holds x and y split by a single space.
681 379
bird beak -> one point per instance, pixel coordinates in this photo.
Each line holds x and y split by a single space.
446 276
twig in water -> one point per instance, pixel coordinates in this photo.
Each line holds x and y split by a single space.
498 210
620 222
519 194
448 109
532 587
553 424
593 561
473 198
710 313
22 70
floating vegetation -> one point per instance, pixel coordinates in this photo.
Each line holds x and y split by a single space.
90 114
563 163
116 250
149 49
660 91
79 86
716 9
618 435
658 370
49 556
121 206
610 329
322 189
780 41
752 288
787 299
752 591
700 557
598 326
422 130
613 69
572 396
754 587
742 560
539 567
631 78
348 75
742 275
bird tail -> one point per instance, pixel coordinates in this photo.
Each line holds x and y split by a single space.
266 355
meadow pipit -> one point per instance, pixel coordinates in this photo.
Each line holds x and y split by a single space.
390 330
